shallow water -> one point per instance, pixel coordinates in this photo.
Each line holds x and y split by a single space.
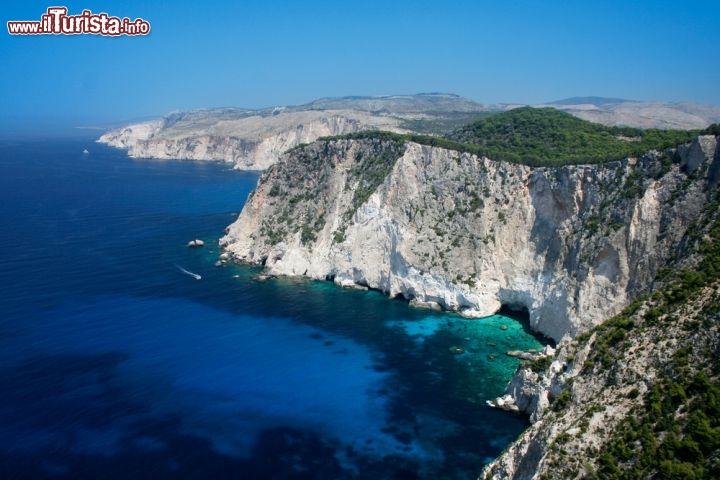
116 364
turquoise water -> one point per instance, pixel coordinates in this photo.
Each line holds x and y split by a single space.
115 364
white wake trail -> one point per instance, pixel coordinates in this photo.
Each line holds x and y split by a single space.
188 272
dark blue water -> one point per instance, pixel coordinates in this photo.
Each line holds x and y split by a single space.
115 364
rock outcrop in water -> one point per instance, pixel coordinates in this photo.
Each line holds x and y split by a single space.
572 245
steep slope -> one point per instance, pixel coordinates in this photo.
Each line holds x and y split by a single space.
573 244
636 239
254 139
638 396
250 142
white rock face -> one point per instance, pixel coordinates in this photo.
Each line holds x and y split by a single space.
697 153
252 142
572 244
598 401
255 139
467 233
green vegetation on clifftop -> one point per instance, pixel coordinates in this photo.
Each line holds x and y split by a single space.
543 137
546 136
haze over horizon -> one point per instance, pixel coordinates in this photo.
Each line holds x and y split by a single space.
260 54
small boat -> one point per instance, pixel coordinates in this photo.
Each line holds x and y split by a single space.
196 276
85 152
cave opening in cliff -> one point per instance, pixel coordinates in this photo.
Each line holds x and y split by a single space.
521 314
518 312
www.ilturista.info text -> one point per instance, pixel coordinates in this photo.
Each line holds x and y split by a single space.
57 22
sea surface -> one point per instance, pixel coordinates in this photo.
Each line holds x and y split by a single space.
117 364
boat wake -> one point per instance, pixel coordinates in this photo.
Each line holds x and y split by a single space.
188 272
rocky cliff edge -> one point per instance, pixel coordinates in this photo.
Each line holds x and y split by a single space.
570 244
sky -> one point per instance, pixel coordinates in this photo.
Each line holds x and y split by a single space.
249 53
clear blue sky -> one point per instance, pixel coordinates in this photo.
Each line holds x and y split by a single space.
262 53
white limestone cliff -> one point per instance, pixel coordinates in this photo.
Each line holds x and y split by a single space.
468 233
252 142
255 139
574 245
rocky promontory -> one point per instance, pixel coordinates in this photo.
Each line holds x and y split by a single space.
573 244
618 261
253 139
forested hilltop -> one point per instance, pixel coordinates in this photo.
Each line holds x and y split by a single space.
545 137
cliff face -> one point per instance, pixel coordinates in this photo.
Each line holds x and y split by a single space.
255 139
637 397
249 141
573 245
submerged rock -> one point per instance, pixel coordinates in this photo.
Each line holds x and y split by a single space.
223 259
506 402
522 355
429 305
261 277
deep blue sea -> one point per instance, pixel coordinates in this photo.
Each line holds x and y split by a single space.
114 364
